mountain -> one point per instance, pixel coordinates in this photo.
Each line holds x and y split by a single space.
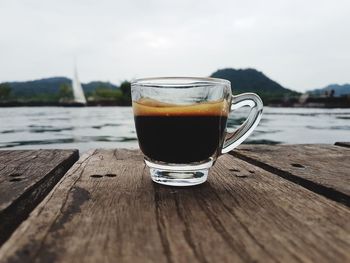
339 90
51 86
92 86
251 80
34 87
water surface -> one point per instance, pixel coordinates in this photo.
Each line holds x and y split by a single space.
110 127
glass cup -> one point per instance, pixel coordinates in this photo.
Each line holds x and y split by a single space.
181 125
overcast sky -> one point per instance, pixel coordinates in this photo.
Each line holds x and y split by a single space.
302 44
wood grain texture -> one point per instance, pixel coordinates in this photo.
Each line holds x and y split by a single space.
343 144
26 177
106 209
324 169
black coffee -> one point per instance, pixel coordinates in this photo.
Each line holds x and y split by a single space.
180 134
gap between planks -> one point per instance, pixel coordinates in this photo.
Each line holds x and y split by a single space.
26 177
246 153
343 144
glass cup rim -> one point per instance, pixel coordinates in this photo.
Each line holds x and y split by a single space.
178 82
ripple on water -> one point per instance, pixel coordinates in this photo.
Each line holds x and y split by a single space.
340 127
67 140
47 128
10 131
269 142
36 142
105 125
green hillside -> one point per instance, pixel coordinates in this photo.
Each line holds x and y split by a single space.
53 89
50 86
251 80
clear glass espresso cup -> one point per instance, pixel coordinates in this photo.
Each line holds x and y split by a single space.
181 125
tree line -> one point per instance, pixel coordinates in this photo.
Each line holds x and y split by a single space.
104 93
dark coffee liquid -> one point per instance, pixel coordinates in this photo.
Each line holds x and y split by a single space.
181 138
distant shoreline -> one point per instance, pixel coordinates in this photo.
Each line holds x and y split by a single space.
12 104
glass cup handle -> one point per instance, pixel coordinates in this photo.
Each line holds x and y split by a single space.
235 138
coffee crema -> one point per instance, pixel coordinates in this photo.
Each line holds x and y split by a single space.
180 133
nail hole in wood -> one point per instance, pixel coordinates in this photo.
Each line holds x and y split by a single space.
111 175
241 175
15 175
15 179
297 165
234 170
96 176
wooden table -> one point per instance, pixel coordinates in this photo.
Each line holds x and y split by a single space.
261 203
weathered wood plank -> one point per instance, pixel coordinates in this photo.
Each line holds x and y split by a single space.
106 209
26 177
343 144
324 169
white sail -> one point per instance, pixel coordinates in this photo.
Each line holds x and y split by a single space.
77 89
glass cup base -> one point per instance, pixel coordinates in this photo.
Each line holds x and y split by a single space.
179 175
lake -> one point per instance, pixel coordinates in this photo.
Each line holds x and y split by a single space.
110 127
